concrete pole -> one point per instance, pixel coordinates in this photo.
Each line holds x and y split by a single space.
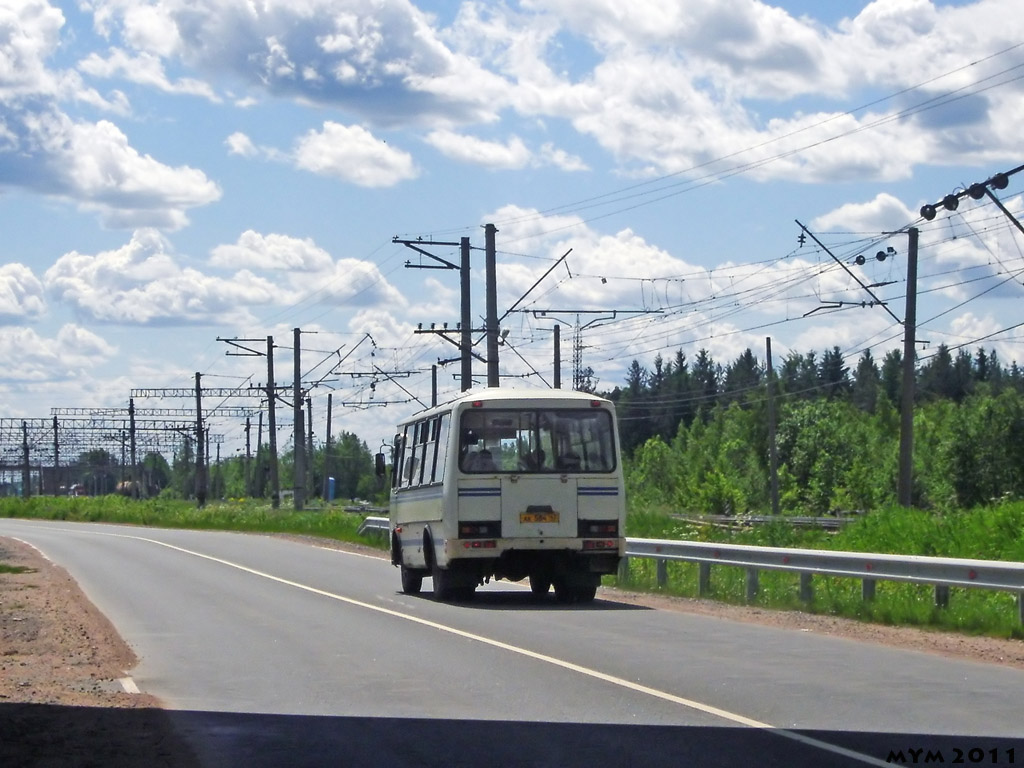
906 478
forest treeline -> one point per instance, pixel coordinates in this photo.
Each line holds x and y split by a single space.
695 433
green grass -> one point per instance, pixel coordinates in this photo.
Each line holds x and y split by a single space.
4 568
253 516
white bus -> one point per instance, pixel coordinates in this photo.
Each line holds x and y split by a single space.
509 485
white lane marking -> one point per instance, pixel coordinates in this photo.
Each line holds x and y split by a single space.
382 558
568 665
37 549
128 685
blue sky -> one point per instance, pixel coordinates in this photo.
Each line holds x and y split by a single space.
176 172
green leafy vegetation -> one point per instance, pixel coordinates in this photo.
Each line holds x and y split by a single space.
695 435
243 515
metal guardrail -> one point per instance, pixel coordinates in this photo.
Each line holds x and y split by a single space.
941 572
374 525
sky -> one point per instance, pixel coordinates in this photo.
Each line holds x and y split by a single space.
180 172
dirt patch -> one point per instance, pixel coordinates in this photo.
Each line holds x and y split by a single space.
62 701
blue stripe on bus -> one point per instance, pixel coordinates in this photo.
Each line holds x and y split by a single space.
597 491
479 491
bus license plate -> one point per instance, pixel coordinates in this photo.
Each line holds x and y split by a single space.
538 517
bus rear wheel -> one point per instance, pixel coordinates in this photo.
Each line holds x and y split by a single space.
567 591
444 583
540 585
412 581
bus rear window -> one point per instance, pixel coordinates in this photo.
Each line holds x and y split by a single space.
536 441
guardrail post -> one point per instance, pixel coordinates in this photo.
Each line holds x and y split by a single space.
752 584
703 579
806 589
1020 606
663 573
623 574
942 596
867 590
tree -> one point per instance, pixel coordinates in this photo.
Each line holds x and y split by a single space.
937 378
799 374
867 380
741 378
156 472
704 380
96 469
833 374
892 376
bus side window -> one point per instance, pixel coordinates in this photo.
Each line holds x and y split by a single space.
396 461
422 436
409 465
440 447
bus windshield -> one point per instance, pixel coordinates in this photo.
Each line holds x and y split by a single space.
532 441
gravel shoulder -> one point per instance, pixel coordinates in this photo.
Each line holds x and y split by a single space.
62 702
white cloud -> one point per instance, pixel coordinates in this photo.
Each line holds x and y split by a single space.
381 58
143 69
29 33
350 283
353 154
93 165
883 214
31 358
21 293
490 154
141 284
274 252
240 144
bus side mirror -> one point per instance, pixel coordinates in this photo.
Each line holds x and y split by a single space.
379 465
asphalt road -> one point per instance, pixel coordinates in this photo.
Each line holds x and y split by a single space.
277 652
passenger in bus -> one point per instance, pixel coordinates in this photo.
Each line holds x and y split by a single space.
569 462
533 461
484 462
481 461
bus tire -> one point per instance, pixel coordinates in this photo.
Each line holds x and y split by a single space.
412 581
539 585
586 593
444 587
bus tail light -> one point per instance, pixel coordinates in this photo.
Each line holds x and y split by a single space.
479 530
591 544
480 544
594 528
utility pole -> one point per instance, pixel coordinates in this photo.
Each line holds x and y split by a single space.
26 472
200 447
906 477
138 490
327 449
465 343
275 477
309 484
465 317
56 459
299 470
558 356
491 318
773 454
248 457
